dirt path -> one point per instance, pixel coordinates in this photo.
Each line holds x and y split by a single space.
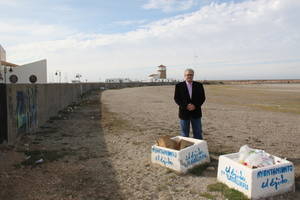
76 161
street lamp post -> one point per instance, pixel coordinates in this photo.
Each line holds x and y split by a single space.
5 73
5 70
78 76
58 73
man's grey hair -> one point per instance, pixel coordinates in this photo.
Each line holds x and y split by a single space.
189 70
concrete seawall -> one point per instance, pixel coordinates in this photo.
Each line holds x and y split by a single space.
28 106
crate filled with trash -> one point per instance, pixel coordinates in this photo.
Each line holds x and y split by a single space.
256 173
179 153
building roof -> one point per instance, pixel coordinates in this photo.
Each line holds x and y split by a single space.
162 66
153 75
8 64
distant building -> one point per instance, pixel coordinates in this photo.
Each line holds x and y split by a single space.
161 76
35 72
76 81
2 54
162 71
118 80
154 76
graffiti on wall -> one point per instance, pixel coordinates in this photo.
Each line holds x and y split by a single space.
26 110
3 114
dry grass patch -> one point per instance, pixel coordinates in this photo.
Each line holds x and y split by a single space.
227 192
257 96
208 195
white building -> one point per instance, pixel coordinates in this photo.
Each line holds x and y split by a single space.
35 72
2 54
161 76
162 70
118 80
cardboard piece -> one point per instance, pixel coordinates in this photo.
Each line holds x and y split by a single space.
167 142
173 142
184 143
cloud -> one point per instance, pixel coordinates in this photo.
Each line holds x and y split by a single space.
170 5
21 31
130 22
251 39
9 2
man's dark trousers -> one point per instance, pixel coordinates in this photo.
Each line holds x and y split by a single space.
196 126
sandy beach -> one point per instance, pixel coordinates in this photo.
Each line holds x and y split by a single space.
101 147
262 116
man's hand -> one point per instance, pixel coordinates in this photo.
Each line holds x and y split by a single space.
191 107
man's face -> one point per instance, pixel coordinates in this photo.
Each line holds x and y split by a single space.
188 76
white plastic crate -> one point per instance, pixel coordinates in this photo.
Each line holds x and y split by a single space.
259 182
184 159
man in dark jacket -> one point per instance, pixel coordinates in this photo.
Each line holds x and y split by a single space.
189 96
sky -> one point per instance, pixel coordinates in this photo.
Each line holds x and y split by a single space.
100 39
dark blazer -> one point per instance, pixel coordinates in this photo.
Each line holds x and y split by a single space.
182 98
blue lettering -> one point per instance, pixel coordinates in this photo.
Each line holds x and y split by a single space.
235 177
193 157
274 171
164 152
163 160
275 182
265 184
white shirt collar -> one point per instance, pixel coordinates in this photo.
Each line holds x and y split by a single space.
189 83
